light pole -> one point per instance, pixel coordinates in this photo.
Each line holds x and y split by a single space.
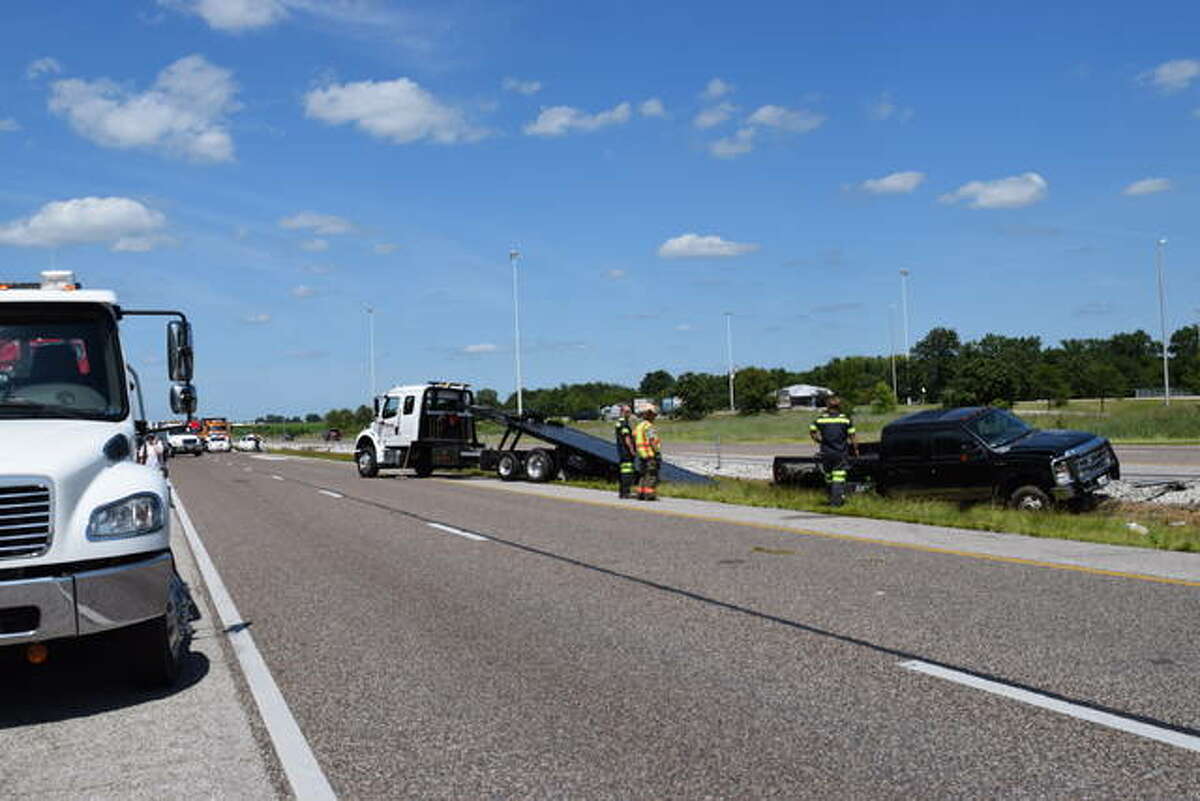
1162 318
513 255
729 354
371 347
892 346
904 306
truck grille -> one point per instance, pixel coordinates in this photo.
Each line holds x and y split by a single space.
24 520
1093 463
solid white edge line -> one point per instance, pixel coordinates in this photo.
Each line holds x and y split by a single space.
459 532
1147 730
304 774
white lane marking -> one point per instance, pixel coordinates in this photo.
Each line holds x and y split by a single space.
300 765
331 493
458 531
1150 731
277 478
272 458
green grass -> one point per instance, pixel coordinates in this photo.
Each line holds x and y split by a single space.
1127 420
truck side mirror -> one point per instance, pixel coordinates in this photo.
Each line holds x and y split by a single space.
376 402
183 399
179 351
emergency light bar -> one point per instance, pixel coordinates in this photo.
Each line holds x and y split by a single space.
63 280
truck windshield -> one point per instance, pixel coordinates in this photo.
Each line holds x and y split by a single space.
998 427
59 364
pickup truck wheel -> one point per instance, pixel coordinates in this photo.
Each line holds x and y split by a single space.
368 465
1029 498
539 465
507 467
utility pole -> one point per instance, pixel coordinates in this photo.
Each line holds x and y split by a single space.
729 353
1162 318
513 255
892 347
371 347
904 306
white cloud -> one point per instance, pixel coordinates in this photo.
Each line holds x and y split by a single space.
314 245
183 114
791 120
1148 186
885 108
261 318
614 275
42 66
729 147
1004 193
384 248
84 220
898 183
485 347
521 87
303 291
325 224
694 246
652 108
1173 76
232 16
560 120
8 125
400 111
714 115
716 88
140 244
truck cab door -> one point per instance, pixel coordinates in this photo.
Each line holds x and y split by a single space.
959 467
388 424
410 420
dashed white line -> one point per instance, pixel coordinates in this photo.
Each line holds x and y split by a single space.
458 531
277 478
331 493
300 765
1128 725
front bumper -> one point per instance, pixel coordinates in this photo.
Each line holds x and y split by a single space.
88 602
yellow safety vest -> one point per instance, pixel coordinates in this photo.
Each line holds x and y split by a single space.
645 438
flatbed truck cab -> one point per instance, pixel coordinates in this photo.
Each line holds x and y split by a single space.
422 427
84 528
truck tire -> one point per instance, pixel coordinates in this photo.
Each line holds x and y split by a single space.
540 465
197 453
159 647
368 464
1030 498
508 467
424 464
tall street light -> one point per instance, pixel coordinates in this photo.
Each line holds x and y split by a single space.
513 256
1162 318
729 354
892 347
904 307
371 347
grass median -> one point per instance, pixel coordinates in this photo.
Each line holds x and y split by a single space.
1165 528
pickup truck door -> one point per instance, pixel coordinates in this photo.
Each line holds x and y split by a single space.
959 467
905 460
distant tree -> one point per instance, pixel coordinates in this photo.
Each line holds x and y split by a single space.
1105 381
658 384
341 419
754 391
363 416
695 390
934 359
487 397
1050 382
883 400
312 417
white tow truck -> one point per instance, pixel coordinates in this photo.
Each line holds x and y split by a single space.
84 528
419 426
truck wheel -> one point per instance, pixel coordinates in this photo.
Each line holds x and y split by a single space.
368 465
197 453
159 647
507 467
539 465
424 465
1029 498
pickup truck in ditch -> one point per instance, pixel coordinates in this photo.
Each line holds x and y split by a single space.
970 454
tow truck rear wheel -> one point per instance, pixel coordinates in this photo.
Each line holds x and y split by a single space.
507 466
539 465
368 465
424 464
1030 498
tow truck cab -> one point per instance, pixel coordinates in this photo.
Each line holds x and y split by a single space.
422 427
84 528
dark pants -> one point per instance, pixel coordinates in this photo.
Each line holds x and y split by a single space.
628 475
835 465
648 483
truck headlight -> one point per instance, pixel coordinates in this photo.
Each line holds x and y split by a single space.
1062 473
129 517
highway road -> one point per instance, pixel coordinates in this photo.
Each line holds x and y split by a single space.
450 638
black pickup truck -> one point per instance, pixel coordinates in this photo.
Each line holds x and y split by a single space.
975 453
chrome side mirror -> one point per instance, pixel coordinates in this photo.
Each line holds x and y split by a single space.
179 351
183 399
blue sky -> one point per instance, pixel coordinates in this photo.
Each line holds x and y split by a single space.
273 166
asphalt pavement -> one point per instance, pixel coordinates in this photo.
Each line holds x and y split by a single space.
458 638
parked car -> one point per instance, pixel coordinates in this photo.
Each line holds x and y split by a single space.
218 443
180 441
249 442
976 453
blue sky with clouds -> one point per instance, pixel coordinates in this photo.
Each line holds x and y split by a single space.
273 166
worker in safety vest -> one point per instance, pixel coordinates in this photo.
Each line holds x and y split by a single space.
834 434
626 449
649 451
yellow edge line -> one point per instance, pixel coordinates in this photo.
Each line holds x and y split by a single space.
1094 571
